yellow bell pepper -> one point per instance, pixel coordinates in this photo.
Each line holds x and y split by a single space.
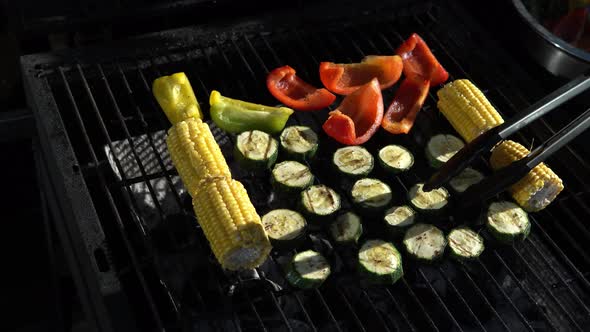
176 97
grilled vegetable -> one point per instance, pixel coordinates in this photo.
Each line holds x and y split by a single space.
358 117
230 223
292 91
353 161
465 244
256 150
344 79
441 148
398 219
347 228
465 179
395 158
538 188
291 177
307 270
236 116
320 202
467 109
380 262
176 97
407 102
195 153
420 63
425 242
507 222
432 202
299 142
284 228
371 195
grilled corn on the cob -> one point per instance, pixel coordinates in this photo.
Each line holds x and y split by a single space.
538 188
467 109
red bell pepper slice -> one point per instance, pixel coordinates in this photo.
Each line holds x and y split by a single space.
420 63
407 102
345 78
358 116
294 92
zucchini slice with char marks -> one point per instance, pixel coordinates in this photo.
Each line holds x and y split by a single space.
307 270
371 195
284 227
465 179
507 222
398 219
380 262
347 228
425 242
291 177
465 244
441 148
320 202
299 142
256 150
431 202
353 161
395 159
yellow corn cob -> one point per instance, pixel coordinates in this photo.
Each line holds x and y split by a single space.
230 223
538 188
176 97
195 153
467 109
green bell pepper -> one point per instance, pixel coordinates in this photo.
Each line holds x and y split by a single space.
236 116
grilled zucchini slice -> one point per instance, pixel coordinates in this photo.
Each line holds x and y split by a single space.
285 228
353 161
507 222
465 179
299 142
371 195
380 262
430 202
347 228
395 159
441 148
398 219
290 177
465 244
256 150
308 269
320 202
425 242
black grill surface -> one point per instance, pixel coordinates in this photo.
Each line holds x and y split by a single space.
134 231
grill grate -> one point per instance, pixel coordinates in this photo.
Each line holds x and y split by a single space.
163 260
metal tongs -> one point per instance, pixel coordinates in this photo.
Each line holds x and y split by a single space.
507 176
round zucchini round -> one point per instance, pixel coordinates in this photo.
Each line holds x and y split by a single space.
320 202
308 269
507 222
347 228
256 150
430 202
398 219
285 228
371 195
353 161
290 177
395 159
299 142
425 242
465 179
380 262
441 148
465 244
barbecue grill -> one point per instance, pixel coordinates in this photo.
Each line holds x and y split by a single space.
141 261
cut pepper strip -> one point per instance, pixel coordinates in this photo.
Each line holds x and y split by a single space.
420 63
176 97
407 102
358 116
292 91
345 78
236 116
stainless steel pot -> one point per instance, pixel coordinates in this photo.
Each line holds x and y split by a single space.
553 53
